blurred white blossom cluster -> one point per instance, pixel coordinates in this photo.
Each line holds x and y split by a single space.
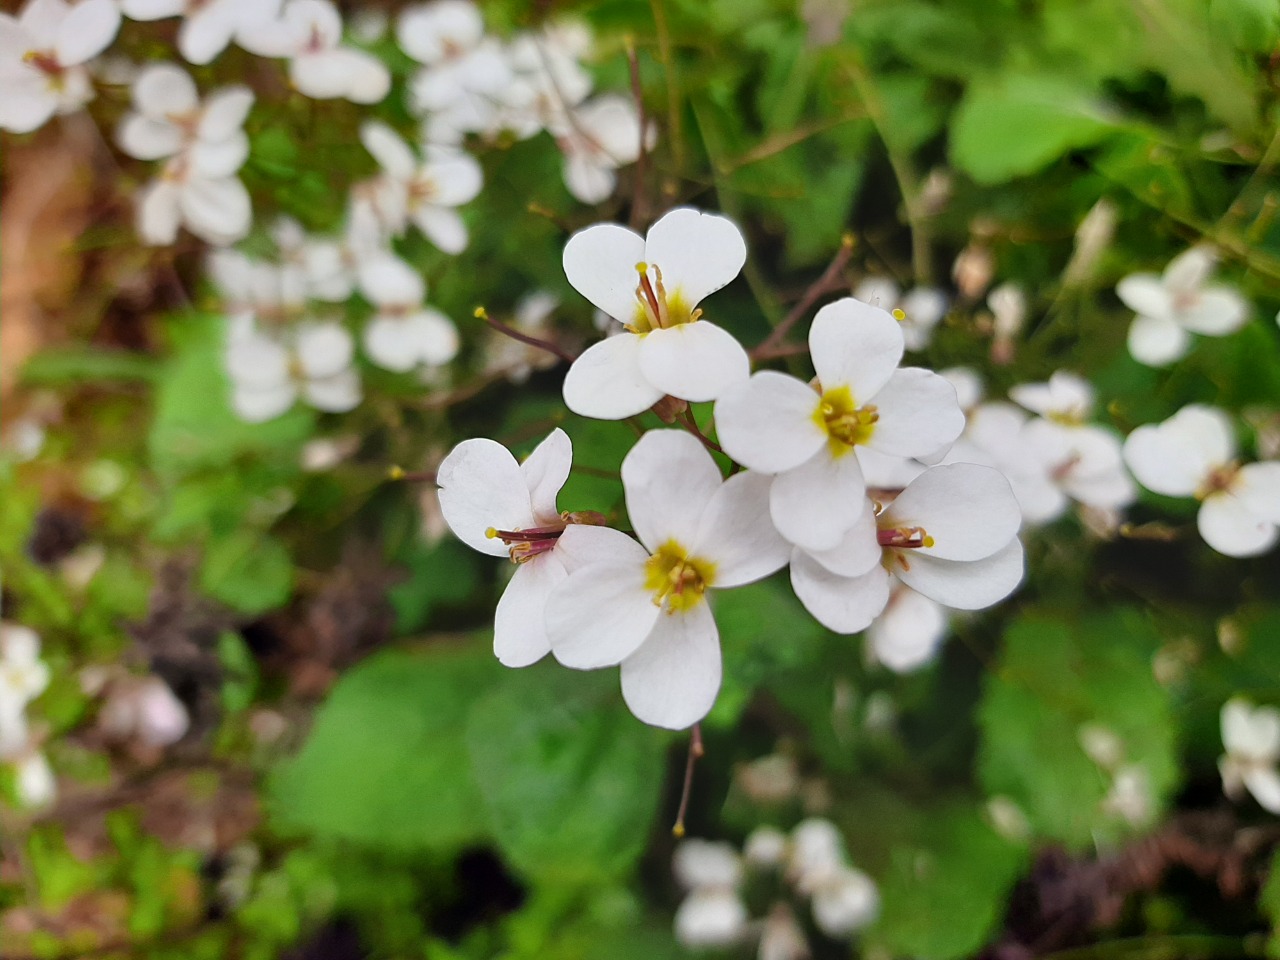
23 677
808 866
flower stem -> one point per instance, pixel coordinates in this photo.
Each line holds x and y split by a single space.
525 338
696 750
773 346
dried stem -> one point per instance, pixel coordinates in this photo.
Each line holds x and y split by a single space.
773 346
696 750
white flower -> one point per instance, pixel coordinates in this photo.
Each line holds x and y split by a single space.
782 938
508 509
268 375
844 899
41 55
424 192
712 915
920 309
1251 737
1129 797
23 677
36 785
908 632
646 607
596 139
766 847
1176 304
1193 454
653 285
807 435
146 709
208 25
950 535
404 333
1065 398
309 34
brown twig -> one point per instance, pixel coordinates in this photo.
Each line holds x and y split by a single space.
686 420
525 338
639 209
770 346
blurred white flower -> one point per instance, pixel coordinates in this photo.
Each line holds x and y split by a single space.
712 914
596 139
23 677
908 632
268 375
1251 737
516 360
208 26
921 308
843 899
404 333
143 709
35 782
42 52
1176 304
1193 453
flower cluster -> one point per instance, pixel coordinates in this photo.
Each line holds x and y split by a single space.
595 598
23 677
812 865
1251 737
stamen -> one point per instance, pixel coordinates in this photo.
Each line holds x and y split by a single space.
904 538
648 297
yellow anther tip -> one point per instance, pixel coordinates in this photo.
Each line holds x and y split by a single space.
491 533
642 267
396 473
678 831
898 314
480 313
927 541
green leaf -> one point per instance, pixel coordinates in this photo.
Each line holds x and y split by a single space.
1015 125
77 365
194 426
1056 679
387 763
1252 25
946 886
571 780
446 573
249 571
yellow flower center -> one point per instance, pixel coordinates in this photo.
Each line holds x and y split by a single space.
655 308
677 579
845 423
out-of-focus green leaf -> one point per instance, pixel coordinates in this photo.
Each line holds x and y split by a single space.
571 780
248 571
443 574
1058 682
78 365
387 763
1252 25
946 886
1013 125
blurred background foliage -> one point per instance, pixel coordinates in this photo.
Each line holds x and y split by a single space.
363 779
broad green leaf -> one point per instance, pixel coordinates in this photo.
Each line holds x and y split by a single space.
1058 679
248 571
386 764
570 779
1013 125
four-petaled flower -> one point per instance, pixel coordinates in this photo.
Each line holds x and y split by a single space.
653 286
646 606
1251 737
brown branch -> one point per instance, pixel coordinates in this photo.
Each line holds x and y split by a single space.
525 338
830 280
695 751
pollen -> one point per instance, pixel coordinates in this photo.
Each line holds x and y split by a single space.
676 580
846 424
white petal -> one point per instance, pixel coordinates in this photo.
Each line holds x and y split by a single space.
906 635
769 423
702 863
152 9
600 263
673 679
162 90
736 534
386 280
858 551
1157 341
1215 312
368 80
693 361
392 343
87 30
519 622
841 604
669 479
710 918
218 211
600 615
605 382
586 180
1175 457
337 393
324 349
919 415
545 470
482 487
1264 784
1230 527
258 404
205 33
1146 294
216 159
697 252
964 585
159 213
855 345
818 502
436 338
456 177
443 227
1251 733
389 149
146 139
968 510
1258 487
224 112
582 544
1188 271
